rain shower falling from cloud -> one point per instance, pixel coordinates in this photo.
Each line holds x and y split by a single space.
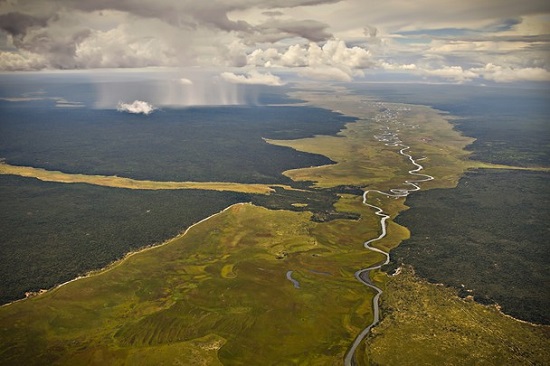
168 90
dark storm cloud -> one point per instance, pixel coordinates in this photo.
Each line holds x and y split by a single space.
275 30
186 12
177 13
17 23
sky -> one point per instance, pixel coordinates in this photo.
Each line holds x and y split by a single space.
261 41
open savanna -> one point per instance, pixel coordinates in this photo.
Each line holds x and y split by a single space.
427 324
217 293
362 161
128 183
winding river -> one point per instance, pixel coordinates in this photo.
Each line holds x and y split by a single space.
390 138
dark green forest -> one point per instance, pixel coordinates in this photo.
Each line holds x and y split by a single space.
488 238
196 144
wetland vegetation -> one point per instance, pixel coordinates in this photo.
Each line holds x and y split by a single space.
486 237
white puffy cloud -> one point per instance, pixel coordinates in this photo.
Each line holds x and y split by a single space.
502 74
453 73
22 60
332 61
137 107
252 77
389 66
489 72
119 48
333 53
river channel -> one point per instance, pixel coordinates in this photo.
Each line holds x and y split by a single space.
389 138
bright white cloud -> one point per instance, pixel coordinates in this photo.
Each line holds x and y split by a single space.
502 74
453 73
333 53
22 60
332 61
137 107
388 66
252 77
185 81
119 48
489 72
444 47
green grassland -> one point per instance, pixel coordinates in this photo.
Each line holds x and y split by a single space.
216 294
362 161
54 232
127 183
427 324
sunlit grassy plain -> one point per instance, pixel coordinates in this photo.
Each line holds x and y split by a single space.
427 324
121 182
223 280
218 294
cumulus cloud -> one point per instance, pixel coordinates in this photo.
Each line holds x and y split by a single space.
137 107
121 47
16 23
111 34
390 66
22 60
252 77
502 74
332 61
489 72
453 73
327 73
